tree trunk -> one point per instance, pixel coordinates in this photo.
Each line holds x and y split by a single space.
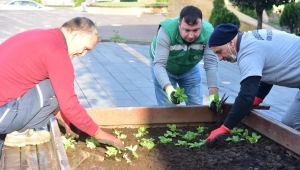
259 13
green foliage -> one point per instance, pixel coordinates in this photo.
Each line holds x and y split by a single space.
148 143
181 143
38 1
128 0
111 151
164 140
68 142
290 16
253 138
250 12
258 6
142 131
91 143
223 15
218 4
172 127
201 129
171 134
119 134
190 135
197 144
133 150
179 94
237 131
78 2
235 139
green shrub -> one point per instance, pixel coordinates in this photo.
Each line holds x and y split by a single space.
220 15
38 1
128 0
78 2
290 16
249 12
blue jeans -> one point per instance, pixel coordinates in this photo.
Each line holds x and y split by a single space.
190 81
291 117
32 110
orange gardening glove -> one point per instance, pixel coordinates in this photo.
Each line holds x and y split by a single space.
64 122
217 135
109 139
257 101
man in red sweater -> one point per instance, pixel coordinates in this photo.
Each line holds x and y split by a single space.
37 76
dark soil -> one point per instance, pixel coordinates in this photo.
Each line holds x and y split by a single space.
265 154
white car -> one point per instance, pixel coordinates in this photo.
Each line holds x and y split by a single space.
23 5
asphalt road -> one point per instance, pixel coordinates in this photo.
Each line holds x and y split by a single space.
141 28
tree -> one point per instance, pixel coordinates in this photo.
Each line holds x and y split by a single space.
259 6
220 14
290 16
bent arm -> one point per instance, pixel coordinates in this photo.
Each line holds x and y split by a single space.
211 68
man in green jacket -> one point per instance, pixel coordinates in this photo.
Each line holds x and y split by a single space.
176 50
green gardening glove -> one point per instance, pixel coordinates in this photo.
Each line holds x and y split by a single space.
170 93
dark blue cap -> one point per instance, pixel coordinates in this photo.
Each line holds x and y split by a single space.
222 34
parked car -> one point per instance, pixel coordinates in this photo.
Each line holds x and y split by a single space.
23 5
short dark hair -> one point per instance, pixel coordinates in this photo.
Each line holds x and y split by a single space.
190 14
81 24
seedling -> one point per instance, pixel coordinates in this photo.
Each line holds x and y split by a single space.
91 143
172 127
201 129
245 133
254 138
234 139
164 140
142 131
111 151
68 142
181 143
119 134
171 134
133 150
148 143
237 131
190 136
197 144
179 94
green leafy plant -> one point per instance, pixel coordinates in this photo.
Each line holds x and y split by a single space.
201 129
68 142
234 139
181 143
236 131
142 131
111 151
190 136
172 127
119 134
253 138
171 134
197 144
164 140
179 94
148 143
91 142
133 150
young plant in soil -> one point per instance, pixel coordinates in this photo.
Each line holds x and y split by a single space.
142 131
253 138
119 134
190 135
68 142
197 144
91 143
181 143
234 139
172 127
164 140
179 94
148 143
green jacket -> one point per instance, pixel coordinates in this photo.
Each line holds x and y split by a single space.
182 57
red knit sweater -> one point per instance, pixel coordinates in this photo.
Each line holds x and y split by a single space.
32 56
